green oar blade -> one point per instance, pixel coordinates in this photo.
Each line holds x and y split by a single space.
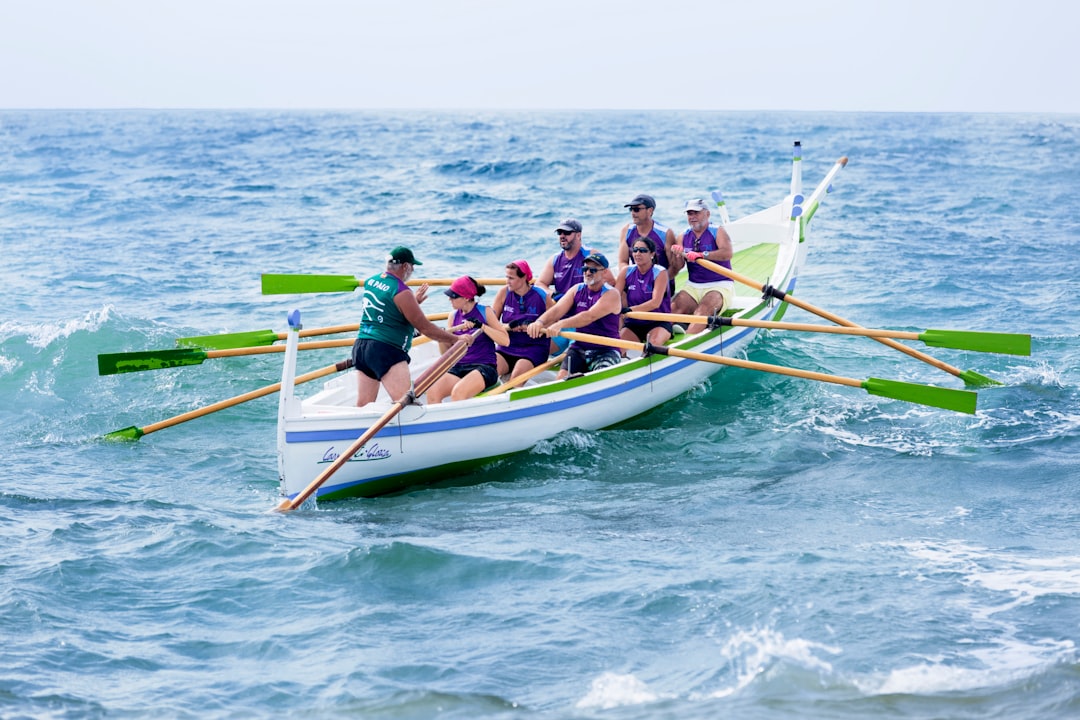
128 433
974 379
112 363
284 284
946 398
228 341
991 342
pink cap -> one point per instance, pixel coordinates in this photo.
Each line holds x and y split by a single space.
463 287
524 268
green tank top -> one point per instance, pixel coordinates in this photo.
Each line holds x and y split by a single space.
381 319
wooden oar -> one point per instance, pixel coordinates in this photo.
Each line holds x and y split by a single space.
524 377
273 284
946 398
268 337
421 385
134 433
992 342
113 363
970 377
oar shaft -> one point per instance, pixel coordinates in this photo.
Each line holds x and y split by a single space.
775 325
791 299
421 385
524 377
230 402
264 349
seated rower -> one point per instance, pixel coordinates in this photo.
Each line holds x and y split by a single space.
591 307
644 288
476 369
705 291
516 305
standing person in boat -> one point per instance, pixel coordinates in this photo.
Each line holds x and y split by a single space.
644 288
705 291
517 304
642 224
476 369
591 307
391 314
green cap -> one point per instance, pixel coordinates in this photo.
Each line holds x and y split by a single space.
403 255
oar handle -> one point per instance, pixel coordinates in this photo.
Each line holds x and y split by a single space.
421 385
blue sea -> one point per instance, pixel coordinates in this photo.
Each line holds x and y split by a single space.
761 547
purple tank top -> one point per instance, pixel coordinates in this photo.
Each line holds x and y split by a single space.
657 235
482 351
707 241
639 289
606 326
568 271
520 310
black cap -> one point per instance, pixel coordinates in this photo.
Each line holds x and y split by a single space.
646 200
569 225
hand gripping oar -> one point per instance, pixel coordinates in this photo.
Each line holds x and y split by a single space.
946 398
525 376
267 337
420 386
970 377
134 433
283 284
992 342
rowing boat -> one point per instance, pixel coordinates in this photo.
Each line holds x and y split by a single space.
426 443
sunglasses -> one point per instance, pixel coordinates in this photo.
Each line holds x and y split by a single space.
641 250
637 208
452 295
560 233
590 270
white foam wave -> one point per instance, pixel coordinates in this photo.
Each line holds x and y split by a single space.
752 652
43 334
612 690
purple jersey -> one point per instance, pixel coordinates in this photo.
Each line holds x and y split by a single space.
658 235
567 271
707 241
482 351
518 311
606 326
639 289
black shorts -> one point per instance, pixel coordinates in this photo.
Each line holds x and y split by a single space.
642 330
374 358
580 360
490 375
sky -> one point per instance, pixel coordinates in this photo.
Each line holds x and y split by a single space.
814 55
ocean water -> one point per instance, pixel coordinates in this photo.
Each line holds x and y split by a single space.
761 547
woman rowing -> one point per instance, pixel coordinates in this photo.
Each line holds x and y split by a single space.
517 304
644 288
476 370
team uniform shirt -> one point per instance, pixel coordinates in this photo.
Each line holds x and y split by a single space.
380 318
482 351
658 234
568 271
696 273
606 326
639 289
520 310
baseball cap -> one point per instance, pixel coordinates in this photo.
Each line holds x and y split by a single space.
569 225
696 204
598 258
403 255
646 200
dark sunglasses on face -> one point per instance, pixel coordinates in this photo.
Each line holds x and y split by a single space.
452 295
560 233
641 250
637 208
590 270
